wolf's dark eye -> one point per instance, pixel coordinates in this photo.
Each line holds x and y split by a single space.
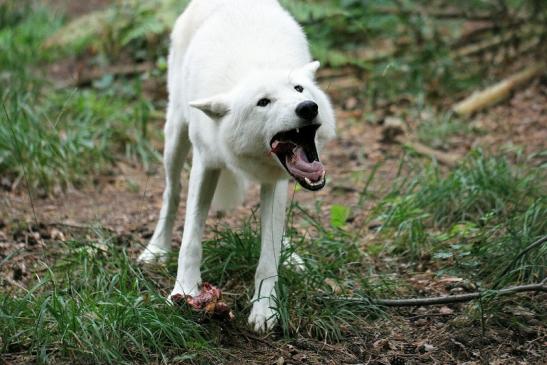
263 102
299 88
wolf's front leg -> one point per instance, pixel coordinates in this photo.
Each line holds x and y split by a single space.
201 189
273 200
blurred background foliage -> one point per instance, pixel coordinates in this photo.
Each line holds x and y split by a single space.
430 47
385 53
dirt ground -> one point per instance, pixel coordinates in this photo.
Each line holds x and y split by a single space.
127 202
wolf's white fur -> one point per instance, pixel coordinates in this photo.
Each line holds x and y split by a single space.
225 56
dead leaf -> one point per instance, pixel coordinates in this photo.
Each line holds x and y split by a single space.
57 235
450 279
333 285
380 344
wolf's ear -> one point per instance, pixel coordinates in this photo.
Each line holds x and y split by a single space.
310 69
215 107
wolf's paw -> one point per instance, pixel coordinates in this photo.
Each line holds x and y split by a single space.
295 262
186 288
153 254
181 293
263 317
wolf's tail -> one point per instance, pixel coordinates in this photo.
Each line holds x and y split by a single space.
230 191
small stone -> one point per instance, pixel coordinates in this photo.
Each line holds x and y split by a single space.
291 349
300 357
351 103
57 235
446 310
427 347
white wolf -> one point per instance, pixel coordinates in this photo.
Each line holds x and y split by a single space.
242 93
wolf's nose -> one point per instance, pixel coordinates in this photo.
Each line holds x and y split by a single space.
307 110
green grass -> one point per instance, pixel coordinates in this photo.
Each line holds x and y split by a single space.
437 130
475 219
60 137
230 261
332 257
23 27
94 305
63 139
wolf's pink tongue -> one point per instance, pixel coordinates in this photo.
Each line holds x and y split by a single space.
299 165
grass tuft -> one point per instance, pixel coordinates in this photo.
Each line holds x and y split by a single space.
61 137
476 218
95 306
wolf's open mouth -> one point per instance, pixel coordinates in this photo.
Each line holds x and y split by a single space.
296 151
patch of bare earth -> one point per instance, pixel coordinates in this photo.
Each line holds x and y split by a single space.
73 9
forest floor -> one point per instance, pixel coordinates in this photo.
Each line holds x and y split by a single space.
126 202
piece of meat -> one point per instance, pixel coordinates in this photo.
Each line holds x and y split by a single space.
209 301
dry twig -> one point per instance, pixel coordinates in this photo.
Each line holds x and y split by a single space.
86 78
415 302
445 158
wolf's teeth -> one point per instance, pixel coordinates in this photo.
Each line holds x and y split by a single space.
310 183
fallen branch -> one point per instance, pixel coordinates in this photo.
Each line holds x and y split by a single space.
394 132
445 158
497 92
87 78
460 298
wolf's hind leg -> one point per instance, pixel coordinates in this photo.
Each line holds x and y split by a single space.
177 145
